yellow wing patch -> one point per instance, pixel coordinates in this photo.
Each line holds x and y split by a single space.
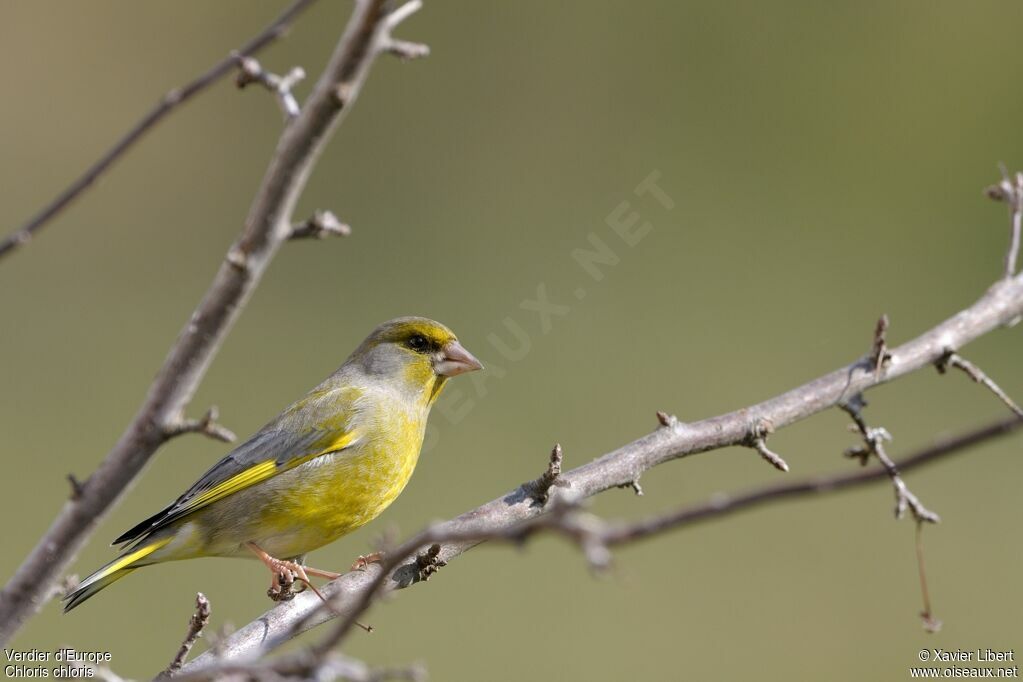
250 476
124 561
259 473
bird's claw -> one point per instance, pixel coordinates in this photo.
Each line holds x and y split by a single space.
283 588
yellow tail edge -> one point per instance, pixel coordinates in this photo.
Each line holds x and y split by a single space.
111 573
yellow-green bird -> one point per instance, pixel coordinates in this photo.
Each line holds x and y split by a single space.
325 466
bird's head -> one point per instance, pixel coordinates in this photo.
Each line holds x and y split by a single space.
416 353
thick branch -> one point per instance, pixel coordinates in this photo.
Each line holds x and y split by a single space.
167 103
303 666
267 226
1001 304
595 536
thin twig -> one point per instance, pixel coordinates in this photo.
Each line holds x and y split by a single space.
879 354
251 71
874 439
356 591
166 105
758 441
196 624
1010 190
322 224
207 426
267 227
930 623
953 359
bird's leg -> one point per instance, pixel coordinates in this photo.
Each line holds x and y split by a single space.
365 560
320 573
285 573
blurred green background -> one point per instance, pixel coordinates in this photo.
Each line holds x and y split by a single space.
826 162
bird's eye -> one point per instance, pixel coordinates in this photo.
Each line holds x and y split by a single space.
418 343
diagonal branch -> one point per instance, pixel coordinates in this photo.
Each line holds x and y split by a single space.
1001 304
874 439
353 592
584 529
167 103
953 359
267 227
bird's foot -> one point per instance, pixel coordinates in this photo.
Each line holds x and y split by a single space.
365 560
283 586
284 575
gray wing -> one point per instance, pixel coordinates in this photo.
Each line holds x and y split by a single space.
274 448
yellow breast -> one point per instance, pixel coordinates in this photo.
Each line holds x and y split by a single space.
328 497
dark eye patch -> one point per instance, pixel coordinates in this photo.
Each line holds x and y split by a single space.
418 343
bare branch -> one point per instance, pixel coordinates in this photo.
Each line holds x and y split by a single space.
207 426
266 228
723 504
540 489
667 420
758 441
250 71
403 49
303 665
930 623
196 624
1010 190
166 105
879 354
634 486
953 359
76 487
322 224
354 592
874 439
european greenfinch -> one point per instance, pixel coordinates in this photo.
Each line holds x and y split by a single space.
328 464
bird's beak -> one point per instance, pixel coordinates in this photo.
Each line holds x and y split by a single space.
454 360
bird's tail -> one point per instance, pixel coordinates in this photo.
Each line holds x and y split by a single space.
111 573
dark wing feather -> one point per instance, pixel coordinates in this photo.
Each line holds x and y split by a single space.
273 448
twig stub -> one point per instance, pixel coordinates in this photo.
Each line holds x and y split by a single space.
207 426
666 420
322 224
429 562
540 488
758 441
77 487
879 354
196 624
